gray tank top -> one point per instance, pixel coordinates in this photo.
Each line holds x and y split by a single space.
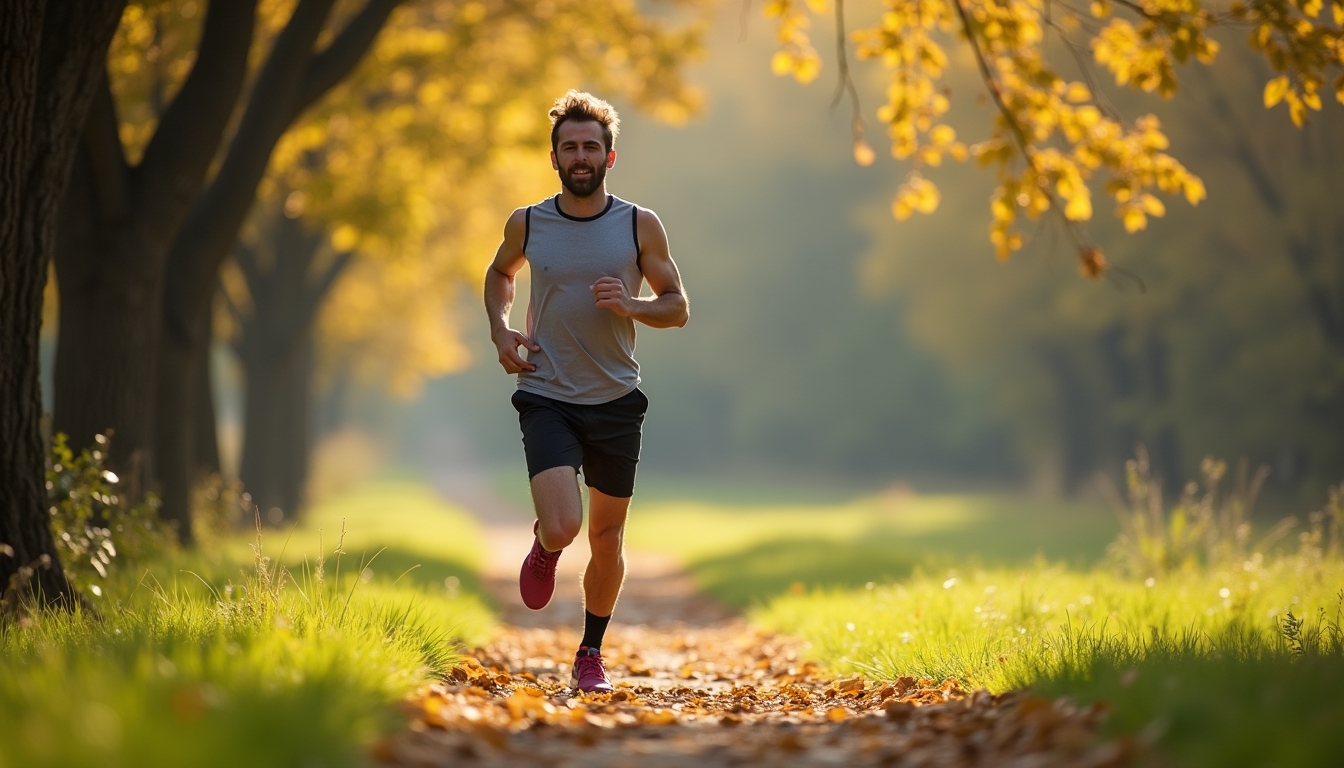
587 354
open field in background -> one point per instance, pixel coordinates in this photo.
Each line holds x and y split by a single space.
210 659
746 548
396 526
1007 593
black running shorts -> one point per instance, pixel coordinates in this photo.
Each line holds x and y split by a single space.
602 439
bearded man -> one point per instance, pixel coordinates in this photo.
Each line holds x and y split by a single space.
578 399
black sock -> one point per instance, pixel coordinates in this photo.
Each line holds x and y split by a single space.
594 627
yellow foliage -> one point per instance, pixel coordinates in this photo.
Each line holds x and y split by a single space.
417 157
1051 141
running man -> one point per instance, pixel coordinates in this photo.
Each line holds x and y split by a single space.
578 397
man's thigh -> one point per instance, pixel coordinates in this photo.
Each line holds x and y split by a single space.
550 435
611 435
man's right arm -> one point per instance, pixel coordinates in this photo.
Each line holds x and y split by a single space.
499 292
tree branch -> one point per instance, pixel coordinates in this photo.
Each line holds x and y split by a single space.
246 257
329 67
187 138
318 290
214 220
846 81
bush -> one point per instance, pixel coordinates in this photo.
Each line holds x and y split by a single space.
96 529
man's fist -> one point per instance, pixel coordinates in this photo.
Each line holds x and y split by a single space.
507 341
610 293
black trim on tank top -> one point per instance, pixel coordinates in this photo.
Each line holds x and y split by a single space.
610 200
634 227
527 227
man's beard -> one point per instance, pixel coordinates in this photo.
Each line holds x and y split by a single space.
583 187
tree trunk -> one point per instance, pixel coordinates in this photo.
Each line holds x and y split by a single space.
206 426
103 376
49 61
1075 418
175 437
118 225
276 350
277 436
292 79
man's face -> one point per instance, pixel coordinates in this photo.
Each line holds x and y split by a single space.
581 156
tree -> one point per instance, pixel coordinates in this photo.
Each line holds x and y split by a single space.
1054 138
48 77
118 222
456 138
170 234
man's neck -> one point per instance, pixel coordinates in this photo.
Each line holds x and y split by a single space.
583 207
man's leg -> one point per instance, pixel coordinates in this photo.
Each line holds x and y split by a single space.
605 574
555 496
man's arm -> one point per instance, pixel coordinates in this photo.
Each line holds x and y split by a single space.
499 291
668 307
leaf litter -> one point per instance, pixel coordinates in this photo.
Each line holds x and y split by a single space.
722 695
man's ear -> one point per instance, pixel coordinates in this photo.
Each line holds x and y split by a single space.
555 164
611 158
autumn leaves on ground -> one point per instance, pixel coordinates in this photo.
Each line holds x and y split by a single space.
696 683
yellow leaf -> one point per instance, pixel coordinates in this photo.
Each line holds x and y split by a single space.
1134 219
344 238
806 69
863 154
1194 190
781 63
1077 93
1152 206
1275 90
942 135
1079 207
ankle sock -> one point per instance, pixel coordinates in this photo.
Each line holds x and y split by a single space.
594 628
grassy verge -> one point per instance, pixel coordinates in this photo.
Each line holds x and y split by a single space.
226 658
1210 664
747 553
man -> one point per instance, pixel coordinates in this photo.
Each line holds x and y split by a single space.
578 397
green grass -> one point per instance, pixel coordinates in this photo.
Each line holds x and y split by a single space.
398 528
1007 593
214 659
748 553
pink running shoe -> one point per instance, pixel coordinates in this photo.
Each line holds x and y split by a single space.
536 580
590 675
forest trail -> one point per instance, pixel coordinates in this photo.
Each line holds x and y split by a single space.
696 685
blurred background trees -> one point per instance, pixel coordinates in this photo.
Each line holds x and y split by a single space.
317 185
195 103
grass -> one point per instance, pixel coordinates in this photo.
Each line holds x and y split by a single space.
748 553
1208 664
233 659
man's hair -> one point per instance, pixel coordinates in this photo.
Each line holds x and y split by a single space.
580 105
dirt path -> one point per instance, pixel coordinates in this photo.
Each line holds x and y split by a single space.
696 685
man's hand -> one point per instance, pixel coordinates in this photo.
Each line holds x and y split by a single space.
507 341
611 293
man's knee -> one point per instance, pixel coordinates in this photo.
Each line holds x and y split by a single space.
607 542
559 530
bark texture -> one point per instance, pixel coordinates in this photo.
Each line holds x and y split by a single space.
50 56
118 224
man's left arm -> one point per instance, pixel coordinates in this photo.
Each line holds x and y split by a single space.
667 308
